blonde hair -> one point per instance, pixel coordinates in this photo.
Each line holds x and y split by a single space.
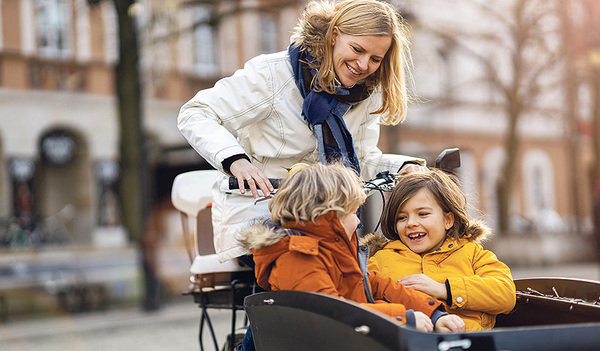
446 190
310 192
314 33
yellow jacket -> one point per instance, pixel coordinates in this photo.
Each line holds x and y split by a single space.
481 285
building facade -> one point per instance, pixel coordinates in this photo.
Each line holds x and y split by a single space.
59 136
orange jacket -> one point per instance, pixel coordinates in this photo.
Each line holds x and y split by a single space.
319 257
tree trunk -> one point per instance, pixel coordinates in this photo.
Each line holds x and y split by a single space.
507 180
131 138
571 108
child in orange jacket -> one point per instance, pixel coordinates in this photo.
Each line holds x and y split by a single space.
434 248
311 245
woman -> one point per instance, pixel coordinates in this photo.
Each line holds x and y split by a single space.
322 99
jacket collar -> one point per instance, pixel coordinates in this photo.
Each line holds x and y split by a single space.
327 229
322 227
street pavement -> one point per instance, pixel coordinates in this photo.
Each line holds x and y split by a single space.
173 327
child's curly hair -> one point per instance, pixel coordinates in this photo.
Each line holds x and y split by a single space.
310 192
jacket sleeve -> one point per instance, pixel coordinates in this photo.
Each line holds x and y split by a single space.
210 120
372 160
313 276
386 289
491 289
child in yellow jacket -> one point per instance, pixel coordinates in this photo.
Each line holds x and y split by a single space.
435 247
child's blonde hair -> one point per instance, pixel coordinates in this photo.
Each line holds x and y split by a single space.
310 192
445 188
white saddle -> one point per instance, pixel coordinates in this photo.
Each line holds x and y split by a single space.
192 193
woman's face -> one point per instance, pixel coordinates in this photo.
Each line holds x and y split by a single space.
355 57
422 224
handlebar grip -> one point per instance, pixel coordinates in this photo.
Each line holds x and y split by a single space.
233 183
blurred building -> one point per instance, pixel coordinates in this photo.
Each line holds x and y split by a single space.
59 126
59 134
476 64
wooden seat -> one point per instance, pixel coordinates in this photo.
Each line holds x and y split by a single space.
553 301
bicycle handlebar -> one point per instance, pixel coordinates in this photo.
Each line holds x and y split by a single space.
234 184
447 161
382 179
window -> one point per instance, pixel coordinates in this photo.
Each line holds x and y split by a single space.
204 41
539 190
52 24
268 29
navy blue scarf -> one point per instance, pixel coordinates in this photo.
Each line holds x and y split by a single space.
325 111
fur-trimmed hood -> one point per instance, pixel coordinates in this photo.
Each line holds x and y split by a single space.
374 241
261 235
478 233
265 234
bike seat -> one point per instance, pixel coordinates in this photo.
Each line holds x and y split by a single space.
204 264
192 191
191 194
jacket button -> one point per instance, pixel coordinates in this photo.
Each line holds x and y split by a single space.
449 246
294 246
399 319
431 303
337 239
459 299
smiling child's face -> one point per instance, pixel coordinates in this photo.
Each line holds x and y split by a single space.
422 224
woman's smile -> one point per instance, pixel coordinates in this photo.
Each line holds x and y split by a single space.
355 57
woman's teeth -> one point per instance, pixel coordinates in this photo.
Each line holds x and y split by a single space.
352 70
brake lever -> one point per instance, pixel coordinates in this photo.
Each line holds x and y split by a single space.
263 198
384 181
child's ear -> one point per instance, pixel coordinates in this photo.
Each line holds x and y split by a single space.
449 220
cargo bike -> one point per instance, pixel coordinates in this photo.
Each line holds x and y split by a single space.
550 313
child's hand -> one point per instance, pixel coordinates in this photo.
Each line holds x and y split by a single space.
449 323
423 323
425 284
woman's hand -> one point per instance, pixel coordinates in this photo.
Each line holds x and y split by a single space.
423 323
425 284
449 323
244 170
